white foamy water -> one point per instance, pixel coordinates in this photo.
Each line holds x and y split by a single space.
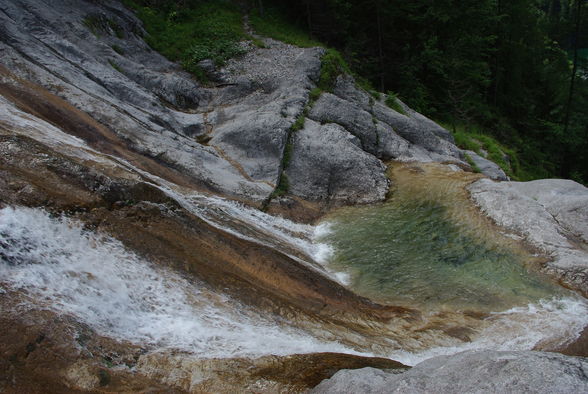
296 240
68 270
549 323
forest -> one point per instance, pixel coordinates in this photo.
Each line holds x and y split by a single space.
494 72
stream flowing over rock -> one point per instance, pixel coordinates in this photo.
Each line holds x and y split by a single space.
140 246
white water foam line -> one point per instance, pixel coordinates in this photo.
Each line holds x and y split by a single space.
293 239
549 323
68 270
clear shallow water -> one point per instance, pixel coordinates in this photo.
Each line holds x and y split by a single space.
426 247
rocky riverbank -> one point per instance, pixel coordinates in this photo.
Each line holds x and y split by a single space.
106 140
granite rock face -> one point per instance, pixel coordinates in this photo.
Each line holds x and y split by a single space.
328 162
550 214
229 137
470 372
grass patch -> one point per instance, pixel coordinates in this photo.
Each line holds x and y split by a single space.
392 102
472 138
472 164
282 187
314 95
332 65
98 24
256 41
118 49
189 34
115 65
273 24
93 23
297 125
118 31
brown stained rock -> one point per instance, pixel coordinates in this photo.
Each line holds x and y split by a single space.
304 371
45 353
148 222
38 101
268 374
579 347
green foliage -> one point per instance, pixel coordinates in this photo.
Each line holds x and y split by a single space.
193 32
472 138
332 65
474 166
98 24
118 31
256 41
282 187
115 65
118 49
314 95
297 125
392 102
276 25
93 23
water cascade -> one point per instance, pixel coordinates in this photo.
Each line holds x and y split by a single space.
60 266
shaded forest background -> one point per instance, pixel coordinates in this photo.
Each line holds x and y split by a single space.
515 70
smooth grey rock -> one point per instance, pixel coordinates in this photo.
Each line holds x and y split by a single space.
487 167
230 137
418 130
390 144
346 89
328 164
551 214
481 371
150 102
332 109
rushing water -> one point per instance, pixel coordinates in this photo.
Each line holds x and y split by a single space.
63 268
423 247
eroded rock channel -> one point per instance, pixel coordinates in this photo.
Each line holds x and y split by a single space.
142 247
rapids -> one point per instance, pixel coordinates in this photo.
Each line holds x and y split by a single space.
64 268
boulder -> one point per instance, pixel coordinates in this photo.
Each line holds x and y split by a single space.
487 167
416 131
329 165
332 109
481 371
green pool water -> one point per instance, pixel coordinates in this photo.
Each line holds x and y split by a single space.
426 246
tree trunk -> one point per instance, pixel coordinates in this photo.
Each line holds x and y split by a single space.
380 45
566 159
